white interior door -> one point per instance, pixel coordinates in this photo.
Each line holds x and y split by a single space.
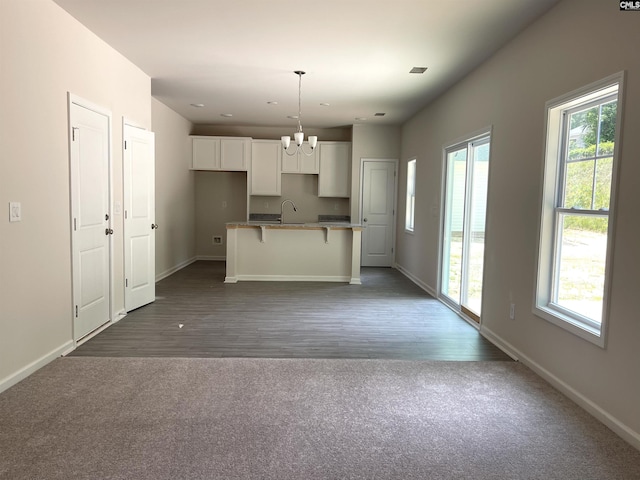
378 216
139 218
90 222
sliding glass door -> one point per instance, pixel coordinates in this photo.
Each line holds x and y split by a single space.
465 200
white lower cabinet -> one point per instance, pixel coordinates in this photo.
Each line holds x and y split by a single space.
266 167
334 179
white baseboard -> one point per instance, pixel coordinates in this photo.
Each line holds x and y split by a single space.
624 431
175 268
24 372
416 280
289 278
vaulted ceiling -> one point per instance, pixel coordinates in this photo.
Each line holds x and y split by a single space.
237 57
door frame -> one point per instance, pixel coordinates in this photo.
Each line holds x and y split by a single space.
81 102
463 312
395 162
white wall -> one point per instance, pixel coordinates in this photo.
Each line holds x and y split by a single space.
175 187
44 54
576 43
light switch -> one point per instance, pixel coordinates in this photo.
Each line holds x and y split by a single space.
15 212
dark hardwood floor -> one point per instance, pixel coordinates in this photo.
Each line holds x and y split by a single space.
197 315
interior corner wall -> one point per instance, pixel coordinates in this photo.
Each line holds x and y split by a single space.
553 56
175 190
45 53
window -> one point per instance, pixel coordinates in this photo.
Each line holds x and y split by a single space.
411 195
574 250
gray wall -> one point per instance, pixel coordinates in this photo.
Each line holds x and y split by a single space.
175 187
370 141
574 44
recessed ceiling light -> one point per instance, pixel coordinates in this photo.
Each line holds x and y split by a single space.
418 70
197 105
324 104
272 103
379 114
226 114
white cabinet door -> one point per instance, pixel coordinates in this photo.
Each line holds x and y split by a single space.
206 153
290 163
234 153
334 179
300 163
220 153
266 164
309 163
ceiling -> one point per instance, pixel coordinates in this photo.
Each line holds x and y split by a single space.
235 56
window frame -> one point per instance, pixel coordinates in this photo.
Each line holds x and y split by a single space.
552 211
410 203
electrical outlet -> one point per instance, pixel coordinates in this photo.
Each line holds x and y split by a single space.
266 204
512 311
224 204
217 240
335 206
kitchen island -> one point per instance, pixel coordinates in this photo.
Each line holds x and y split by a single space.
311 252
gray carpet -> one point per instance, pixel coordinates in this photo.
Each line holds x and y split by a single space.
162 418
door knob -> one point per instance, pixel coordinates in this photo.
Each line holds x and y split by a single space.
154 226
364 220
108 231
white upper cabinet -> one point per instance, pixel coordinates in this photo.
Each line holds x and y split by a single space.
221 153
266 167
301 163
334 179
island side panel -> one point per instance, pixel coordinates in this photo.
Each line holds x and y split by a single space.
294 254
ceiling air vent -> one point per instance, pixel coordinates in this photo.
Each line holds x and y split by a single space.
379 114
418 70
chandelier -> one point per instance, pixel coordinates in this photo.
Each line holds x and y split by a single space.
298 136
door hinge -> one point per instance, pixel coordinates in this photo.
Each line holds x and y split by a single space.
76 311
125 214
75 224
73 133
125 144
126 282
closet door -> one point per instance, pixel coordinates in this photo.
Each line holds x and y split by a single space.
90 216
139 218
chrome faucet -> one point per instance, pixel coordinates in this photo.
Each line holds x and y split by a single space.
282 209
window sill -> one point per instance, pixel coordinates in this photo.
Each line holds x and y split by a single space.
571 325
